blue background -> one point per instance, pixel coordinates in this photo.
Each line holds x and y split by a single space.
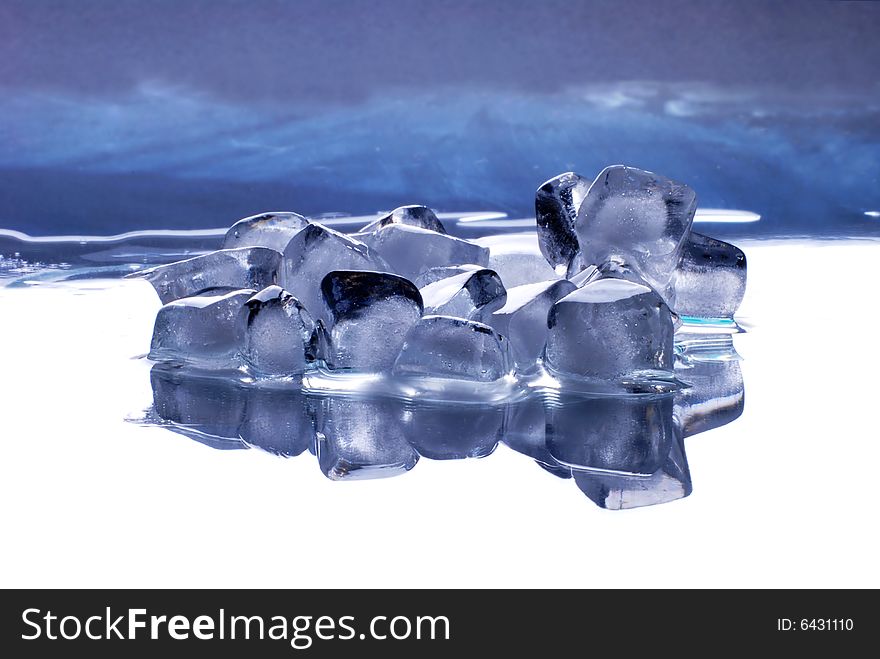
185 114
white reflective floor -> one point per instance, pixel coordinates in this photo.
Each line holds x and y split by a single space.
785 496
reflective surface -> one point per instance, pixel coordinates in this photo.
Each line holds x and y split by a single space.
624 451
93 498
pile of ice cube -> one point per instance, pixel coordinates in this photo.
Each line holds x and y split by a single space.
598 293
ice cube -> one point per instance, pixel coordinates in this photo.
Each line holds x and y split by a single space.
276 333
273 230
201 330
446 347
585 276
622 491
472 295
520 269
441 431
517 259
710 280
525 432
615 269
443 272
630 434
315 251
371 313
716 395
361 438
556 207
635 217
245 267
410 250
280 422
523 319
416 216
610 329
207 410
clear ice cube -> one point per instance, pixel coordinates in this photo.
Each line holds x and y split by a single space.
315 251
410 250
585 276
473 295
414 215
273 230
635 217
245 267
370 315
276 333
523 319
610 329
517 259
615 269
202 329
710 280
444 272
446 347
360 438
454 432
556 208
521 269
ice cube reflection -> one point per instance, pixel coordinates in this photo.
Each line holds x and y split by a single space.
621 451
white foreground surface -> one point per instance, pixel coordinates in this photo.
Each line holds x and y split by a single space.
784 496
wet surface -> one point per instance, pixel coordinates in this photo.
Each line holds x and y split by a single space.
776 482
623 451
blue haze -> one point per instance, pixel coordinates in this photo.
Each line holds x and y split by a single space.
193 114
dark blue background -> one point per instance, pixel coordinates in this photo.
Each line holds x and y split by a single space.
129 115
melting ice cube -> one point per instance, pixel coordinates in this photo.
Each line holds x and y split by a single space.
473 295
517 259
201 329
523 319
246 267
444 272
315 251
370 315
410 250
615 269
710 280
277 333
635 217
556 207
273 230
446 347
416 216
609 329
